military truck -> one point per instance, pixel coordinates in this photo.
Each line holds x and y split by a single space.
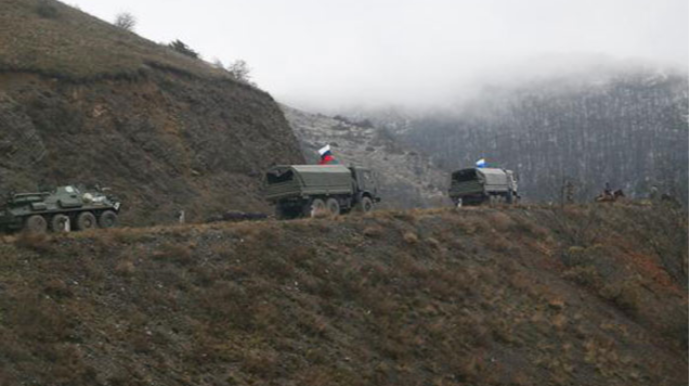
475 186
306 190
63 209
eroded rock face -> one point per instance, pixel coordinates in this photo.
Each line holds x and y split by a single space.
20 144
408 179
163 142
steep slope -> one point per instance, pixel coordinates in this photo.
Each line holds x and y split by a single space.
84 102
627 126
407 178
585 295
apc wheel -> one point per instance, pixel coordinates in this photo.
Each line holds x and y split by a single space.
366 205
318 207
333 206
59 223
36 224
86 220
107 219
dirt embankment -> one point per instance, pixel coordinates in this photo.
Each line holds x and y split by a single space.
587 295
163 143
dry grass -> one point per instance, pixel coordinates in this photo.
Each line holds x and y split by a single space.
181 254
38 242
67 43
373 231
411 238
416 302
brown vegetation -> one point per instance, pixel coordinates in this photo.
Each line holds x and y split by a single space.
82 101
445 297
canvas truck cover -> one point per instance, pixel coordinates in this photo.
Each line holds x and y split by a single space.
479 180
291 180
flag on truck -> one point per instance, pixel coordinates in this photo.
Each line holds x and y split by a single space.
481 163
326 156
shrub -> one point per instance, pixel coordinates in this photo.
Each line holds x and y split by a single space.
584 275
180 254
625 295
410 238
373 231
57 289
38 242
125 20
240 71
46 10
124 268
184 49
500 221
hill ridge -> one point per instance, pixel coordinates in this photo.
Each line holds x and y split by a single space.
166 132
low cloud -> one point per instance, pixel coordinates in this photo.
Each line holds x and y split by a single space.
325 54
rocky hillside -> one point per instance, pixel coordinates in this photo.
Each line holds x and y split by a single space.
581 295
82 101
408 179
626 126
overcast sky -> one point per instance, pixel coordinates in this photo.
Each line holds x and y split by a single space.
332 52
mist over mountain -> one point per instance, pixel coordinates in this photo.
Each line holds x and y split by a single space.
627 126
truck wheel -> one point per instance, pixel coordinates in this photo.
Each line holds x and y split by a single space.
59 223
86 220
318 207
333 206
36 224
366 205
107 219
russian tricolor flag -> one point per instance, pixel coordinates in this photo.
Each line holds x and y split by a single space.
326 156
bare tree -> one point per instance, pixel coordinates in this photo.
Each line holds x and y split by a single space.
240 71
217 63
125 20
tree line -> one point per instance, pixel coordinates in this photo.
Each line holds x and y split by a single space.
630 132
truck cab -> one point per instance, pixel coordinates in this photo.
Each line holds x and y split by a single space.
365 183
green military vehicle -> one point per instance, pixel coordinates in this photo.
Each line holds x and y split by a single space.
306 190
475 186
63 209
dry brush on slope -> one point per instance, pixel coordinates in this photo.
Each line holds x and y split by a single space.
491 296
82 101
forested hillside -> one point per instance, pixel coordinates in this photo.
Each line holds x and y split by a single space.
629 129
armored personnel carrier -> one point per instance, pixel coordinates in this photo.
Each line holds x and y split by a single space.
475 186
305 190
64 209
